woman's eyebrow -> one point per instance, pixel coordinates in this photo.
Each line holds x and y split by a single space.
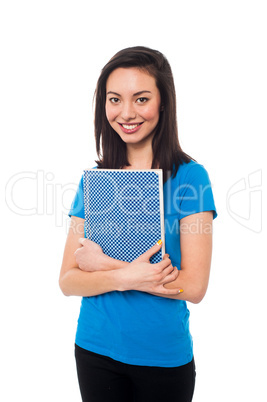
141 92
114 93
136 94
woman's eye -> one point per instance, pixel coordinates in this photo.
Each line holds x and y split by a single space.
142 100
114 100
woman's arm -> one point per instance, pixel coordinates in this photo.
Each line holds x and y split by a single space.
196 251
193 278
74 281
138 275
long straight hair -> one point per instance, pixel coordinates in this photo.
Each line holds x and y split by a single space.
111 150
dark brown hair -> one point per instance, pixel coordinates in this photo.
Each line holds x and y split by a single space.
111 150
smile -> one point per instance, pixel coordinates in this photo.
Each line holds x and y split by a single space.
130 128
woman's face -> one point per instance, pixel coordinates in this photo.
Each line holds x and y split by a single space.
132 104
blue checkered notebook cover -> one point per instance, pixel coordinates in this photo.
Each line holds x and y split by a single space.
124 211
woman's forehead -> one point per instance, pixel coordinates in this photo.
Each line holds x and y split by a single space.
130 79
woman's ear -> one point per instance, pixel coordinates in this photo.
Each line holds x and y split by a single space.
161 108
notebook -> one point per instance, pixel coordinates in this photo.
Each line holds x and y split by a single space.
124 211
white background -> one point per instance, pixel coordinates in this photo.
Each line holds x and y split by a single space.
52 53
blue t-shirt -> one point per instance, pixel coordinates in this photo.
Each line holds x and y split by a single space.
137 327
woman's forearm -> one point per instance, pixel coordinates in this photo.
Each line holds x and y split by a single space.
76 282
138 275
194 289
109 263
87 271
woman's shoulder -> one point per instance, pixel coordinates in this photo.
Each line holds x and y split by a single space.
191 169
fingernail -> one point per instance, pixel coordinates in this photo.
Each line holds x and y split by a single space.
159 243
181 291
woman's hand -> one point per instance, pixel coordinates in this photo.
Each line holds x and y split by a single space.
146 277
90 256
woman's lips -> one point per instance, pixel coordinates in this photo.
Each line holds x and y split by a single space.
130 128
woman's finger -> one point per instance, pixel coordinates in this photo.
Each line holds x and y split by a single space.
161 290
77 251
150 252
163 264
166 256
171 276
82 240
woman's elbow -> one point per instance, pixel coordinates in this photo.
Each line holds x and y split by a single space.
63 286
198 294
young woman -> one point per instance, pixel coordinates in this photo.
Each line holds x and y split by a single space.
136 346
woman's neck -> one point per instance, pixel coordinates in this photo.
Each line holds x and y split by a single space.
139 158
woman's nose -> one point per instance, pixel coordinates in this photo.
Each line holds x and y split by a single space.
128 111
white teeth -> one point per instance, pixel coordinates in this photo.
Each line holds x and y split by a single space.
129 127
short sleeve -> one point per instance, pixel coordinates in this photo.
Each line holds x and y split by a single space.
77 206
194 193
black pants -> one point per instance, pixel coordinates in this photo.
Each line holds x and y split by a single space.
103 379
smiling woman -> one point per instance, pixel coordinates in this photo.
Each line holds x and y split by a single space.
133 341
